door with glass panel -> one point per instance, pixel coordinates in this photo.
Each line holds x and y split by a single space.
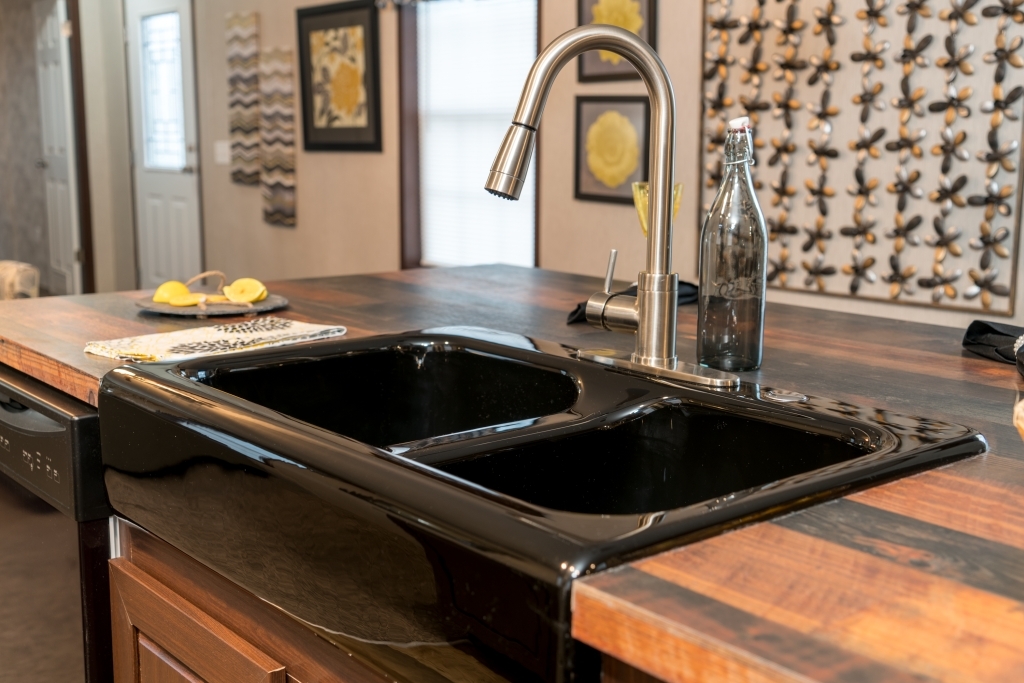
164 139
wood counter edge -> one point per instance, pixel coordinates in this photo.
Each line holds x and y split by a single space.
664 648
67 378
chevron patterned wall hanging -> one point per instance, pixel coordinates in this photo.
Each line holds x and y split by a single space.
243 96
277 137
889 142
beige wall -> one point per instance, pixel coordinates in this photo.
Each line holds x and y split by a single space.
348 203
575 236
109 145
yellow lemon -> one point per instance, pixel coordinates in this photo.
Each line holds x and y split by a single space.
168 290
190 299
217 299
245 290
263 295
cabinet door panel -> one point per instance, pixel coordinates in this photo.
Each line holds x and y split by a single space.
156 666
143 607
308 658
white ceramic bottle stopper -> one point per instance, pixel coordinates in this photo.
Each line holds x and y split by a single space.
741 123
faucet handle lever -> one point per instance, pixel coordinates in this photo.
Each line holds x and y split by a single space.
610 273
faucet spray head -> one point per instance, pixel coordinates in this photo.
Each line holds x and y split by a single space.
512 162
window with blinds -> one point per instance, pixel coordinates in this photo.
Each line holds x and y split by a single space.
473 59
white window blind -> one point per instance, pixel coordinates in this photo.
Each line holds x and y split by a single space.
473 59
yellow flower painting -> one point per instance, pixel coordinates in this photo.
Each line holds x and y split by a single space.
622 13
337 59
613 148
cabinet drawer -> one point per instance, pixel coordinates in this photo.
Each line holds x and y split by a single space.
160 637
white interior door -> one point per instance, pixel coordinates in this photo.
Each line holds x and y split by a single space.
164 139
53 62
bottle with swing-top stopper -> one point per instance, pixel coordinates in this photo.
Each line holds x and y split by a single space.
733 264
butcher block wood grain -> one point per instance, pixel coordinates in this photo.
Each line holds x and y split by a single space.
921 579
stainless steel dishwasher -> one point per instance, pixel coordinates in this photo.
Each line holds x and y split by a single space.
54 595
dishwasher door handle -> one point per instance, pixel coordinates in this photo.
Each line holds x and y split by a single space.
25 420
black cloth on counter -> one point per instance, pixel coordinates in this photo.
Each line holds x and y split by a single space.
995 341
687 295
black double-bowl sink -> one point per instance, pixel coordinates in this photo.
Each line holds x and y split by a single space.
426 500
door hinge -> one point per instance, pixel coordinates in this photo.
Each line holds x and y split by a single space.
67 29
79 256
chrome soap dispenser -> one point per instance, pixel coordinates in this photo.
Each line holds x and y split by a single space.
733 264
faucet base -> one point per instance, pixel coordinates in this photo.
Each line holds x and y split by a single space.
654 361
657 303
679 371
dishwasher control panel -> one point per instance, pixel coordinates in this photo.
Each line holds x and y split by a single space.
49 443
34 450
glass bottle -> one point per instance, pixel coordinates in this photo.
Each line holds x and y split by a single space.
733 264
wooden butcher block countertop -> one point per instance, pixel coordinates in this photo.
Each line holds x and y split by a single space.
917 580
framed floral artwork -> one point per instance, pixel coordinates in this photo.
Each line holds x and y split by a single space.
339 65
638 16
612 147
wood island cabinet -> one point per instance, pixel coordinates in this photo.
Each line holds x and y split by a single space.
175 621
157 666
160 637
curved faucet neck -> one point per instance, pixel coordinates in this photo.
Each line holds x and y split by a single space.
663 117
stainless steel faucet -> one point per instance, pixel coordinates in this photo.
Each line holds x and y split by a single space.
651 314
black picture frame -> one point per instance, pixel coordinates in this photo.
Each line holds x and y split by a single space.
589 65
366 138
585 185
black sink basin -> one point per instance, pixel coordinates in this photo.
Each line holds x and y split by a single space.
399 394
670 456
426 500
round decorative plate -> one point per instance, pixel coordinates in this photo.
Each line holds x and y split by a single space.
273 302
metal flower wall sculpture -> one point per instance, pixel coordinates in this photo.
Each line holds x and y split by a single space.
926 98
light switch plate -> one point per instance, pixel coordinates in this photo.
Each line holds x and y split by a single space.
222 152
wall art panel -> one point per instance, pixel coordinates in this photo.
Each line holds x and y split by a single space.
277 137
888 142
244 96
612 147
339 64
